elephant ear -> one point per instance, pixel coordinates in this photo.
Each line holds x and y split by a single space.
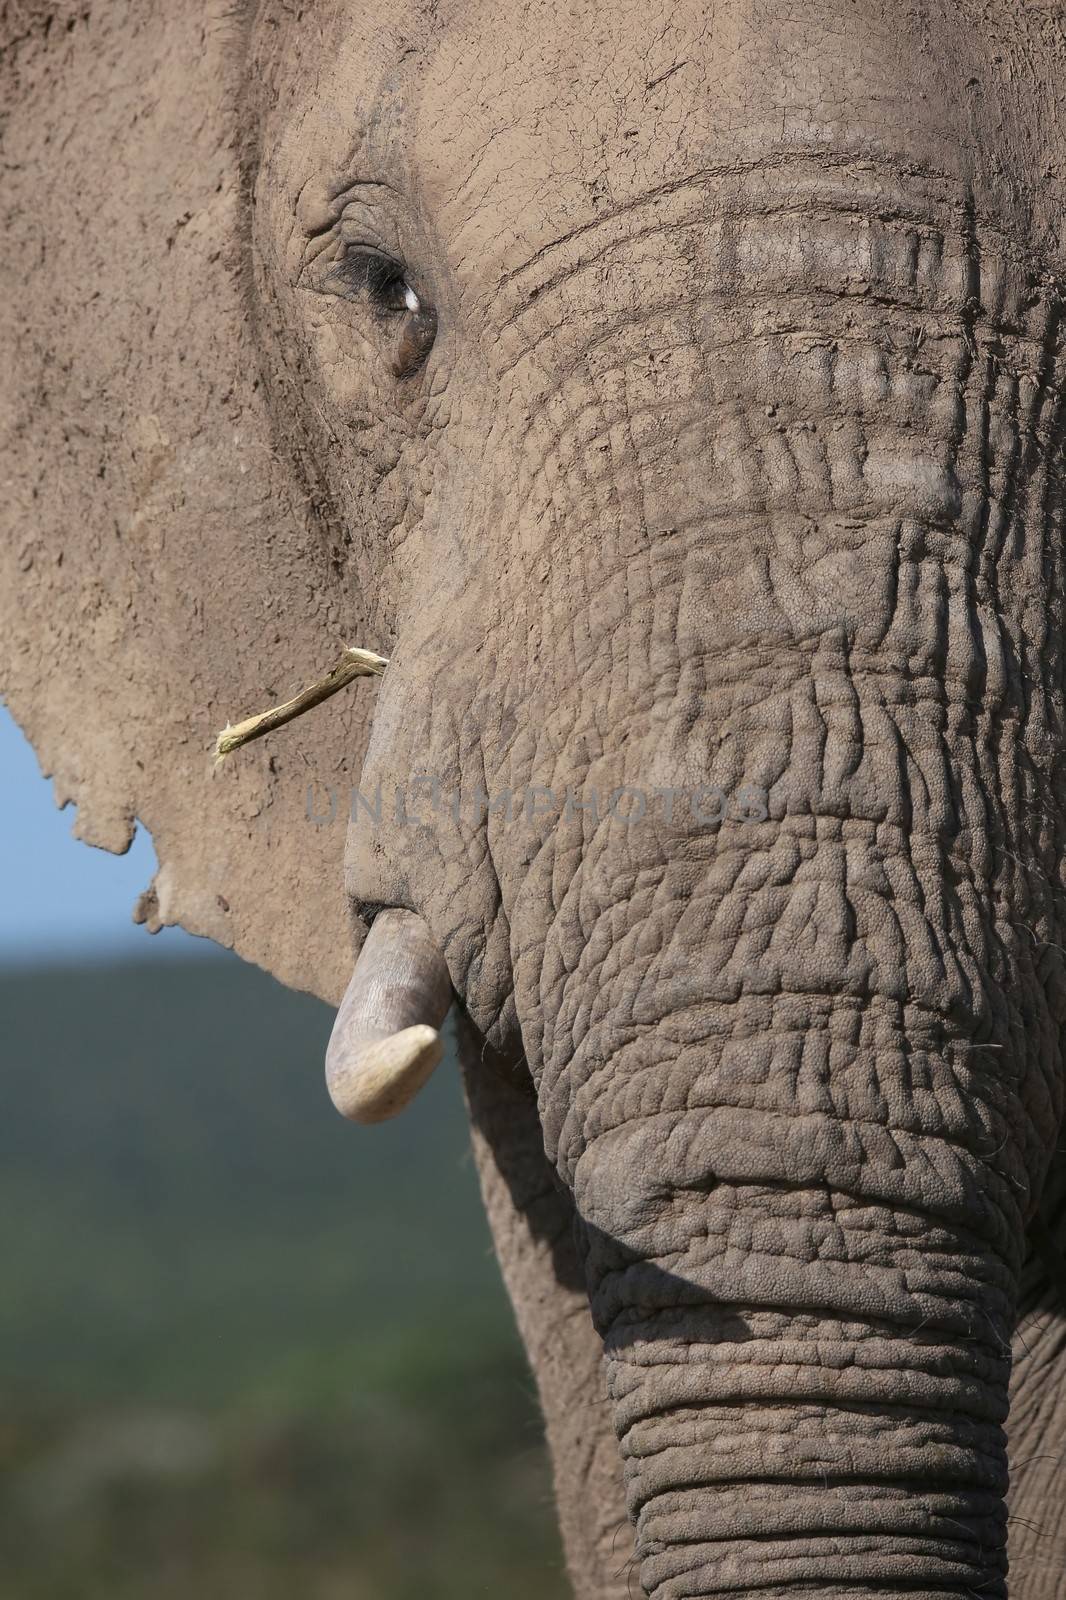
162 571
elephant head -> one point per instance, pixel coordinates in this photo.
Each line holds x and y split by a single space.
675 398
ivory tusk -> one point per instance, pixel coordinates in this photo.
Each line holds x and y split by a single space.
385 1042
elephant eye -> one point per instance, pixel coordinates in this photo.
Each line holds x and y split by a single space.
363 272
380 278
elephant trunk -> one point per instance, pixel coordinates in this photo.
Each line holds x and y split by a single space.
806 1309
803 1081
803 1071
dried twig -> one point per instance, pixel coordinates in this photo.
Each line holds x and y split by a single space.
354 663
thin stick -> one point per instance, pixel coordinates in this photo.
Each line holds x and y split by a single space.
354 663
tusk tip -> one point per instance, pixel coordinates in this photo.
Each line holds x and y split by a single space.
382 1077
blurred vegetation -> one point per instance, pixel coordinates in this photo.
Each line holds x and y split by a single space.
245 1349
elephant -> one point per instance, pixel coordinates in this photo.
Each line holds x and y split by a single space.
673 396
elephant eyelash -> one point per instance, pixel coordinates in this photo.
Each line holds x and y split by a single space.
365 271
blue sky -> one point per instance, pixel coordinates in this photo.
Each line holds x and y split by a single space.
59 899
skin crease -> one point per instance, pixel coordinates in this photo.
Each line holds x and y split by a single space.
734 460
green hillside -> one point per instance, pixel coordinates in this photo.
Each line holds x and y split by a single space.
245 1349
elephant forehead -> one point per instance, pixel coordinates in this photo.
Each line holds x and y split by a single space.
559 115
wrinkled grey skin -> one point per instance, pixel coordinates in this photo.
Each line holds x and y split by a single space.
737 461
